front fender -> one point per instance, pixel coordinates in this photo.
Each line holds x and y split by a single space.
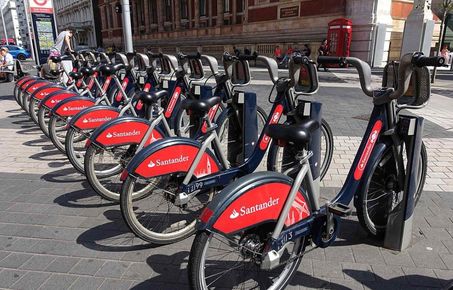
34 85
71 106
124 130
93 117
172 155
252 200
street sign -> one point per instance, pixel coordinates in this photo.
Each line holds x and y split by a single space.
41 6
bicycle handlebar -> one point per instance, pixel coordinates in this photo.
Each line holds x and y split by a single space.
229 57
362 67
420 60
182 56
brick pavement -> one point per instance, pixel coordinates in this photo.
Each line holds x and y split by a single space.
55 233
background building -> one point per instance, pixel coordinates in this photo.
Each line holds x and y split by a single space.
12 23
78 15
214 26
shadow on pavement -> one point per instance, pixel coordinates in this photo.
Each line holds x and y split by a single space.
67 175
82 198
114 236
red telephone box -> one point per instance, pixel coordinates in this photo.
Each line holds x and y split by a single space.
339 37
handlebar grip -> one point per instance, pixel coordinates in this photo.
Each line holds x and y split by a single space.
421 61
331 60
247 57
229 57
189 56
300 59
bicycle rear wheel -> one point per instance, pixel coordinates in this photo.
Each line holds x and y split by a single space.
156 218
233 262
75 148
57 132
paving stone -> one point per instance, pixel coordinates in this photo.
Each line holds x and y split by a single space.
31 281
14 260
87 283
62 264
397 259
112 269
358 272
329 269
448 260
58 282
371 255
115 284
445 276
138 271
9 276
427 259
38 262
87 267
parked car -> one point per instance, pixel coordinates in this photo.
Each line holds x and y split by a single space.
18 52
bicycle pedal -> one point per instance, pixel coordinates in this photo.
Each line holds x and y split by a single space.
339 209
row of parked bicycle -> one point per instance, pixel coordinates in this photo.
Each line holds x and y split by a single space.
177 146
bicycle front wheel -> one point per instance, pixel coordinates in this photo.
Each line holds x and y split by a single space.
233 262
33 109
372 204
43 120
75 148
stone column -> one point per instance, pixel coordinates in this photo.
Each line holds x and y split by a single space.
160 15
419 28
219 21
233 11
147 17
197 13
177 15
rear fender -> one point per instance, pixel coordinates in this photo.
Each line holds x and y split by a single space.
124 130
94 117
252 200
24 79
46 90
54 98
172 155
72 106
34 85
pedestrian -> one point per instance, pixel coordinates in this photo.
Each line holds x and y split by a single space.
247 51
278 54
445 53
7 64
306 50
62 43
236 50
323 50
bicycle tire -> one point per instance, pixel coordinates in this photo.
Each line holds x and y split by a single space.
143 224
71 152
197 264
289 153
56 126
234 141
376 226
33 110
43 120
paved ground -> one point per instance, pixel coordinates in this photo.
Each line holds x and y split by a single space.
55 233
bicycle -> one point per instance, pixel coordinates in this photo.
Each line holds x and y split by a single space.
263 222
106 157
186 173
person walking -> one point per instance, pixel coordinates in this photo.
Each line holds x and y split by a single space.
6 65
62 43
322 51
278 53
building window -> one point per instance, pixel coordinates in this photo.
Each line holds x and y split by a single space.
240 6
168 10
226 6
202 7
184 9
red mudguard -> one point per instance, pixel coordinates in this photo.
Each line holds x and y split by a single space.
36 86
41 94
72 106
172 155
252 200
94 117
124 130
53 99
